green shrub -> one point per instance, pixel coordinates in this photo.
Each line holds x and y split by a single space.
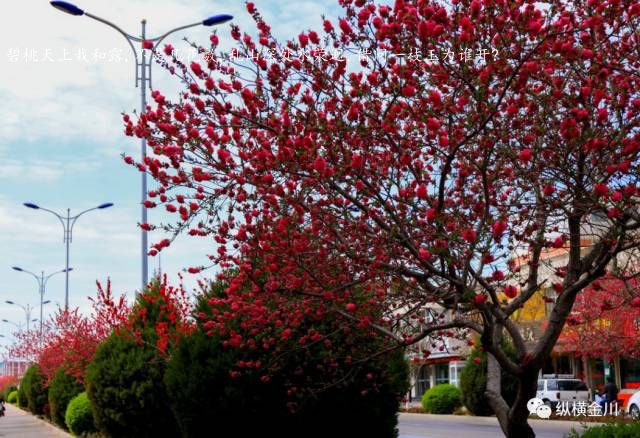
202 393
13 397
8 390
197 381
338 401
124 384
125 379
442 399
473 382
62 388
619 430
35 391
78 417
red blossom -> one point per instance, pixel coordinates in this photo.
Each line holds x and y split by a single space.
424 254
558 242
498 228
345 26
510 291
196 68
422 191
479 299
525 155
548 190
600 190
351 307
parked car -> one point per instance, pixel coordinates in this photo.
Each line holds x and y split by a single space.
552 390
633 406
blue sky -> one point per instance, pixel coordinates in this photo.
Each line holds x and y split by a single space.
61 140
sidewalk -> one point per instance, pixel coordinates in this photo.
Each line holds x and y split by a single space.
18 424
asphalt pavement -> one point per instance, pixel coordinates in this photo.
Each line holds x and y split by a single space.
18 424
461 426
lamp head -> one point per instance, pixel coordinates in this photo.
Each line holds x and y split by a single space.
9 302
105 205
15 268
217 19
31 205
67 7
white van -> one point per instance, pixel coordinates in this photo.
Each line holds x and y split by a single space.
552 390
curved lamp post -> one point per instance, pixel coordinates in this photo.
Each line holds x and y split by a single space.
67 222
42 284
27 311
143 77
18 326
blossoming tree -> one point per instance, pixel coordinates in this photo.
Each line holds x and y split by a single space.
69 339
604 320
396 160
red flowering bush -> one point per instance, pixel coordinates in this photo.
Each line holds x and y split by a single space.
69 339
125 378
159 316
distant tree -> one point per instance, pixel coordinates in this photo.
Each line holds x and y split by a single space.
473 382
603 322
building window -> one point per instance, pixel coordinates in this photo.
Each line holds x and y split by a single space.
454 372
442 373
422 381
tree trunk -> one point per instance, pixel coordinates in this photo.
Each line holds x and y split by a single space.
513 420
518 425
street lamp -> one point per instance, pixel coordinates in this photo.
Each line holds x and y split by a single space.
142 76
18 326
42 284
67 222
27 311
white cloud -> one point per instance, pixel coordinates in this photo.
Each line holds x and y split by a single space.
53 93
43 171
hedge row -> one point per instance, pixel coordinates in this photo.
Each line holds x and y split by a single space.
136 392
193 389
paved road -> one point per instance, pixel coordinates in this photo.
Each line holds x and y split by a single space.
456 426
18 424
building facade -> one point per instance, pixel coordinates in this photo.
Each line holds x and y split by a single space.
13 367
